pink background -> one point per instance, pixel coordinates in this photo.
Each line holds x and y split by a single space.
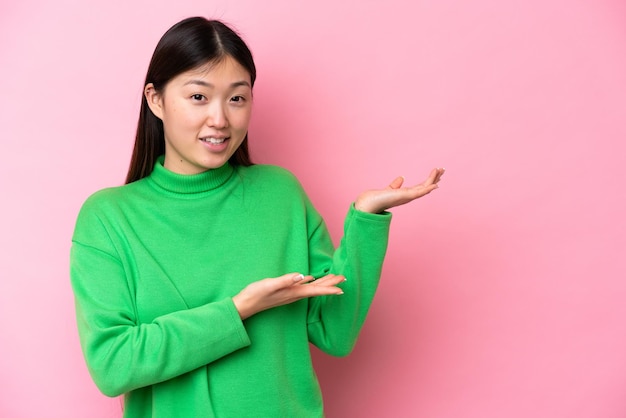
503 293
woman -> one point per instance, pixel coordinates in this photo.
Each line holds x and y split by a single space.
200 283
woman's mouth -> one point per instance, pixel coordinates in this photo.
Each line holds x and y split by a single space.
214 141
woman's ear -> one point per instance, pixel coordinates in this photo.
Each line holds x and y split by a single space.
154 99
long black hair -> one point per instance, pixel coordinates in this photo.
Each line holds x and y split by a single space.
189 44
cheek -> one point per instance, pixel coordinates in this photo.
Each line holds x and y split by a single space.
183 118
241 120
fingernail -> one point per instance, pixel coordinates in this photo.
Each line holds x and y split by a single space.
298 278
340 293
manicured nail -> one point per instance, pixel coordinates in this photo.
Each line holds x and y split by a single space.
298 278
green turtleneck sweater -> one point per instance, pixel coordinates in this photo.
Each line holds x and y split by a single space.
154 267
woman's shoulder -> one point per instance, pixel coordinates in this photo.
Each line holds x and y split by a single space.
110 197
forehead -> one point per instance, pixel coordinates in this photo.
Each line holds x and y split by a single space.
224 71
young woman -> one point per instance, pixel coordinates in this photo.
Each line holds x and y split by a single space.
201 282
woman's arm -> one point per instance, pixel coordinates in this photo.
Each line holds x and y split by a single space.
123 354
122 351
335 323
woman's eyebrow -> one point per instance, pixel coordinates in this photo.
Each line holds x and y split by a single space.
205 84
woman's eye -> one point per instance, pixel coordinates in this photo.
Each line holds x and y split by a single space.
237 99
197 97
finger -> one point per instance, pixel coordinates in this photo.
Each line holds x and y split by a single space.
297 277
420 190
329 280
290 279
440 172
316 290
397 182
306 279
432 177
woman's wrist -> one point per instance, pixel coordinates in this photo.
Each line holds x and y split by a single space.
242 306
364 207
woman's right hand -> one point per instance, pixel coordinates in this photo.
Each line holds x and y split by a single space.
269 293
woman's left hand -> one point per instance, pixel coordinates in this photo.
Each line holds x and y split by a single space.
376 201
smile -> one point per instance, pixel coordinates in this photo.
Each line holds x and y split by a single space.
213 140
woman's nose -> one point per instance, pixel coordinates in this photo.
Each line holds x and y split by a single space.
216 117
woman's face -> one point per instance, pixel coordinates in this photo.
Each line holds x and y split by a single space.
205 114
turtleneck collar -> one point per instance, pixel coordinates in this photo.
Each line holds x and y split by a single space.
190 184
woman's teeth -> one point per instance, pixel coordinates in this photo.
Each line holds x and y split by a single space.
213 140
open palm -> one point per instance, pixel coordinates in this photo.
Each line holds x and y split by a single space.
376 201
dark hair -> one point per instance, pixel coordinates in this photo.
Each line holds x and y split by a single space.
189 44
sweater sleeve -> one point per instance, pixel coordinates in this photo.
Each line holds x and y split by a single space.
123 354
334 322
